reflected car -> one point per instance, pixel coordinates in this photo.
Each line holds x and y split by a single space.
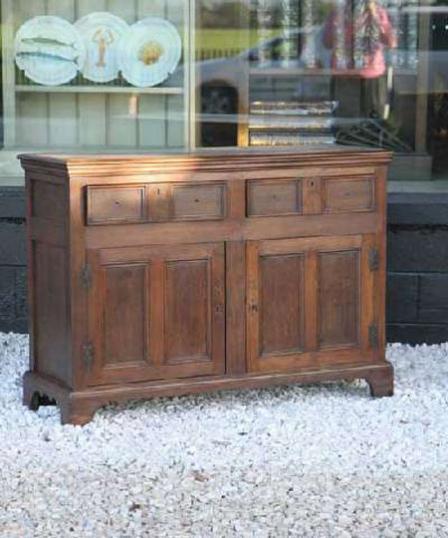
223 82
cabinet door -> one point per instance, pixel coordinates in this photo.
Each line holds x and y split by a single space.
157 312
311 302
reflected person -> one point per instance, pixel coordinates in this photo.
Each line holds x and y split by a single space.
358 34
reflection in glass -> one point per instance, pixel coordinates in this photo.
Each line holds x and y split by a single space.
379 65
265 72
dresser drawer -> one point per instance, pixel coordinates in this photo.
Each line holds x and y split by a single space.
347 195
198 202
115 204
156 202
274 198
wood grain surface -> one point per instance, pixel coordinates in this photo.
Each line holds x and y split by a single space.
179 274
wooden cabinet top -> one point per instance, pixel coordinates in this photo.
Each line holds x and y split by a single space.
229 160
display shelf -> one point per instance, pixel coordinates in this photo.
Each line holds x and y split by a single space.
82 115
165 90
292 72
326 72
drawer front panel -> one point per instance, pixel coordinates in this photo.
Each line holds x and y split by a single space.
199 202
346 195
271 198
108 205
159 202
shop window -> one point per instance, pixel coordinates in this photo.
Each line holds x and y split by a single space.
113 76
353 72
93 76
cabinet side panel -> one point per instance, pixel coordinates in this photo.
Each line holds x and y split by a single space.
48 275
48 201
339 293
50 310
281 327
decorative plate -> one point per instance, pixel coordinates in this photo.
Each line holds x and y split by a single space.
149 52
49 50
101 32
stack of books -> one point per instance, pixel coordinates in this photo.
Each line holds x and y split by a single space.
291 123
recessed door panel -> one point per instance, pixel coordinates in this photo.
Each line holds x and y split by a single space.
275 286
282 309
125 314
339 290
187 294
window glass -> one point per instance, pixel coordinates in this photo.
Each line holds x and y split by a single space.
93 76
303 72
142 76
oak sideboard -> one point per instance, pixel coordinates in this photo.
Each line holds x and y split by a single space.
167 275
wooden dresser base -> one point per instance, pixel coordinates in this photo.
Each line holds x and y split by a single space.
79 407
166 275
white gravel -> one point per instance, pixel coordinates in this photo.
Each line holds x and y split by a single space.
317 461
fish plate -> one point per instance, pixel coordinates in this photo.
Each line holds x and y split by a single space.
49 50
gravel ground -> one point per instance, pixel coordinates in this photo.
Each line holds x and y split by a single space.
316 461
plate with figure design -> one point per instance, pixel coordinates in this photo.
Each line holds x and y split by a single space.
149 52
49 50
102 33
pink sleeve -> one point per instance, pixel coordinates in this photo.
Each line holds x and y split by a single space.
388 36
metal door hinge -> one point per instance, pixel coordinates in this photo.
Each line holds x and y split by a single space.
373 336
374 259
86 277
88 356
